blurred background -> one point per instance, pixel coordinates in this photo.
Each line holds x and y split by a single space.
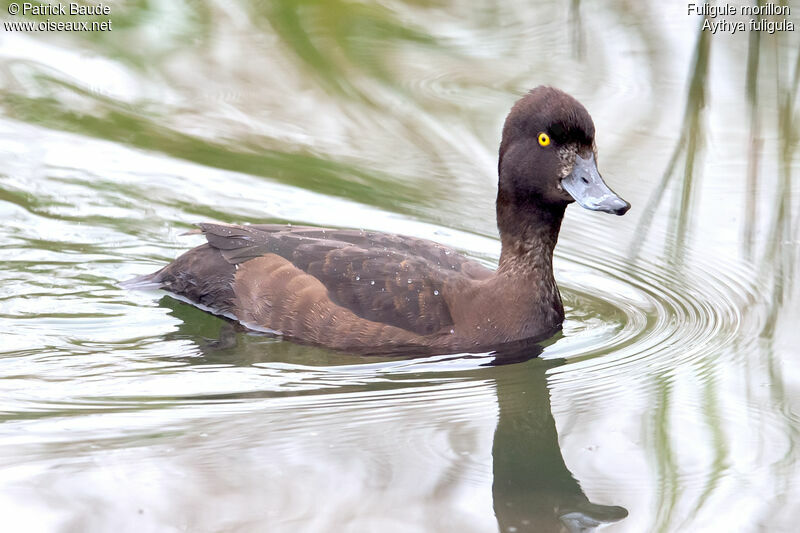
670 402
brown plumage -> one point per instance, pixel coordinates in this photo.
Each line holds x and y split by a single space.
379 293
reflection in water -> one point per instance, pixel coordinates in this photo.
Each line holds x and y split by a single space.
678 400
532 489
689 147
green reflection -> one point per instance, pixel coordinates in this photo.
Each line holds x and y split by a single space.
303 170
438 75
329 36
533 489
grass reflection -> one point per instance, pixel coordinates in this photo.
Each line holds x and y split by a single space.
304 170
329 37
688 148
681 182
357 72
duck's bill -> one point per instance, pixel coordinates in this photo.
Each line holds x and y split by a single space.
586 186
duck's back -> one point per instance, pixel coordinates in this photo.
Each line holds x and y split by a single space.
346 289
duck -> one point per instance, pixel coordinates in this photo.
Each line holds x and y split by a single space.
381 293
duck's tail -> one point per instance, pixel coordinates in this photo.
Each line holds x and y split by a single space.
144 282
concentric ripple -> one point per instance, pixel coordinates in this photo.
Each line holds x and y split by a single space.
647 314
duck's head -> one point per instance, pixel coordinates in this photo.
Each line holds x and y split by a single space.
548 156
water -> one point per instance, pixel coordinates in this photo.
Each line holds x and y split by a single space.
669 403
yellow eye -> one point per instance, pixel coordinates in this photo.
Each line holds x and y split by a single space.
544 139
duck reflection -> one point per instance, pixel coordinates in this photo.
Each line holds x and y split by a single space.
533 490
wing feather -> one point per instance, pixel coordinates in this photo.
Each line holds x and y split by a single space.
392 279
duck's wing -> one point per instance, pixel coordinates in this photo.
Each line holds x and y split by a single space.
285 239
386 278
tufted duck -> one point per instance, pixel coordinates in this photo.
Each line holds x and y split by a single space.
372 292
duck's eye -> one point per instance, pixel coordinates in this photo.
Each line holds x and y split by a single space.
544 139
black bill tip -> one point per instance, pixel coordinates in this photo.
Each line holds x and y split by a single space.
617 206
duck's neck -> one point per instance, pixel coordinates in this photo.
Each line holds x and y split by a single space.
528 233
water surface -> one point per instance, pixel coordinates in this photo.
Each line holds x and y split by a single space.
670 401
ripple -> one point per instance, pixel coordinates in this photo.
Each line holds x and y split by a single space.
646 316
